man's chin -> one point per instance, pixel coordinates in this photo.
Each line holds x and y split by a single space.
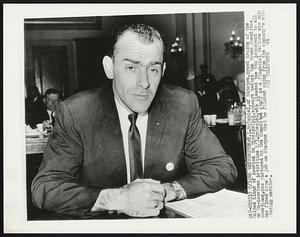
140 109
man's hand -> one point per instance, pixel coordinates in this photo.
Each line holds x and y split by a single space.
143 198
140 198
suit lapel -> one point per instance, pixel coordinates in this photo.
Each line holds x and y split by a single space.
155 128
111 129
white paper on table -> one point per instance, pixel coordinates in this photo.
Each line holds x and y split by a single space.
224 203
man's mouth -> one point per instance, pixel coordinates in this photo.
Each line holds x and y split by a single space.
141 96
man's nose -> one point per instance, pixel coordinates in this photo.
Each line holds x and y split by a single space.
143 80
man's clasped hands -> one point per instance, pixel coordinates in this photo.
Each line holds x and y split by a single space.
140 198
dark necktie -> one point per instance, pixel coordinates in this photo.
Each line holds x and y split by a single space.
135 150
52 118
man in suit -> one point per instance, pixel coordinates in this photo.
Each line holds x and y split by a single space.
133 144
52 99
41 109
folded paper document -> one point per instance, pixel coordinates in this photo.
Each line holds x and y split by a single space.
224 203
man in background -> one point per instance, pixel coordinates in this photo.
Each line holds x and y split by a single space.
39 109
52 99
240 84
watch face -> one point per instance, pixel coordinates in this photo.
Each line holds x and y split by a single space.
177 189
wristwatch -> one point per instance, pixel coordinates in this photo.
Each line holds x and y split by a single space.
179 191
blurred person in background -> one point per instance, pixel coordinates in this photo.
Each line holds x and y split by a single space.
227 95
208 99
35 109
39 109
240 84
202 79
52 99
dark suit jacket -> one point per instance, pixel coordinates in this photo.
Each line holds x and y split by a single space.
36 112
208 103
85 154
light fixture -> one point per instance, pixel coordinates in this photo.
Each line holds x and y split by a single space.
234 47
177 47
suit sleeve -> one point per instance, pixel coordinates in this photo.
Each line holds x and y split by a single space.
56 186
209 168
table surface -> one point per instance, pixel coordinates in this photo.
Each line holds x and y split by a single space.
36 214
224 203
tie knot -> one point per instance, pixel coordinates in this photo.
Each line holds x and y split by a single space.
132 118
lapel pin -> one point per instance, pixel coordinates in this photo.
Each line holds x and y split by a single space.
157 123
170 166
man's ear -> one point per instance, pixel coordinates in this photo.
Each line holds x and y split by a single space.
108 67
163 69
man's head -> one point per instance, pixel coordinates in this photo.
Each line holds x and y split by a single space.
240 82
136 66
52 98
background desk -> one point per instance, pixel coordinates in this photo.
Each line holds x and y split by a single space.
36 145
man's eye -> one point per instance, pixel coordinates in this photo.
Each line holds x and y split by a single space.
154 70
130 68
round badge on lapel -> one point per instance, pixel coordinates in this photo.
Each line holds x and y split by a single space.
169 166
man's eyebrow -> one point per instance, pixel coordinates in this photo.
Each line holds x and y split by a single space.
156 63
138 62
131 61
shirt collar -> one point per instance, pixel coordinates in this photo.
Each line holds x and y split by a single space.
125 111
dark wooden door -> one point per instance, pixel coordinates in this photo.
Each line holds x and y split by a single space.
51 68
90 52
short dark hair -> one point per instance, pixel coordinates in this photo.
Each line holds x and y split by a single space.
146 33
52 91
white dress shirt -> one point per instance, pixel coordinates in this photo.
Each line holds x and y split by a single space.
49 114
241 96
141 123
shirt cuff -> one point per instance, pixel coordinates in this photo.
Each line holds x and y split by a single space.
98 204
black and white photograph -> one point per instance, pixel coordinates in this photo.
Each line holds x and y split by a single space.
140 117
185 131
